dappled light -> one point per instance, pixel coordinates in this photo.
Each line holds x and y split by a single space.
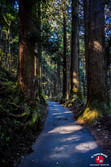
74 74
66 112
98 46
66 129
72 138
56 105
64 151
75 81
57 113
55 109
87 146
89 115
60 117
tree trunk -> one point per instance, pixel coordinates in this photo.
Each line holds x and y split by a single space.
35 66
84 90
94 50
1 48
64 58
68 78
58 76
74 50
39 47
86 36
54 83
26 49
108 62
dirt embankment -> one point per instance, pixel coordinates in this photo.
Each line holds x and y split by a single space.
20 120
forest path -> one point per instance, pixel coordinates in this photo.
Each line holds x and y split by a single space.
63 143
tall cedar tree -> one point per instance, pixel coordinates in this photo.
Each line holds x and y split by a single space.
26 49
64 57
58 75
74 49
39 48
94 50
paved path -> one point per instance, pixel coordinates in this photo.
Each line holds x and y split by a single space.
63 143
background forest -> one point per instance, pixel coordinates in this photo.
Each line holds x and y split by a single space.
50 28
52 49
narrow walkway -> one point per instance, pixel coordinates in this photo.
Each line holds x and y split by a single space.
63 143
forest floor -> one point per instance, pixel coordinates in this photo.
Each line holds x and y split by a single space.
22 140
20 121
27 141
101 129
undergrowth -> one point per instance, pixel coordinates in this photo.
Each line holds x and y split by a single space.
56 98
19 118
87 113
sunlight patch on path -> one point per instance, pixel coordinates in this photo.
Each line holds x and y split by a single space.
73 137
61 152
86 146
66 129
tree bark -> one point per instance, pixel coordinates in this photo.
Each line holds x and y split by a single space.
39 47
74 50
26 49
94 50
58 76
86 36
64 58
108 62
